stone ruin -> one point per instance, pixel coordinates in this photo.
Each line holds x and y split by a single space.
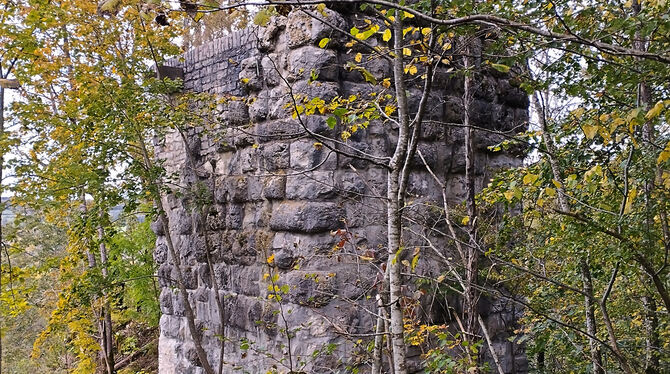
279 196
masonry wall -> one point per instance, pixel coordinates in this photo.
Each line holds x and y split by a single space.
283 204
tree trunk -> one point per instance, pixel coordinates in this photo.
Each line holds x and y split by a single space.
471 262
2 159
589 308
394 213
107 333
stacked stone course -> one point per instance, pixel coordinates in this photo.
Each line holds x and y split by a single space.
280 196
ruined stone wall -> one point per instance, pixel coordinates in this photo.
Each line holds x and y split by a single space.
280 200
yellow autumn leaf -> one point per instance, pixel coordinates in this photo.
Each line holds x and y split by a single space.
509 195
578 112
358 57
406 51
321 7
271 259
386 36
550 191
465 220
590 131
530 178
664 155
629 201
655 111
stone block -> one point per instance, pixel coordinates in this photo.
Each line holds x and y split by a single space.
271 66
269 34
182 225
311 288
350 184
303 246
165 275
235 113
310 61
317 125
275 187
161 251
166 301
306 155
234 216
254 188
157 227
306 217
310 185
250 74
325 91
236 188
302 29
275 156
379 67
259 107
280 103
170 326
278 130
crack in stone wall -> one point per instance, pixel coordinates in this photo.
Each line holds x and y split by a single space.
277 194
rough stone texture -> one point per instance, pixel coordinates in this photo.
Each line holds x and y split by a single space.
295 222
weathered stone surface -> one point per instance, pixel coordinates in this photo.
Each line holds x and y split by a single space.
250 74
304 29
305 217
311 288
275 188
310 185
275 156
291 212
305 155
309 61
235 113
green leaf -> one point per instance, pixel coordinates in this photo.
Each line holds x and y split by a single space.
262 18
110 5
340 112
331 122
501 68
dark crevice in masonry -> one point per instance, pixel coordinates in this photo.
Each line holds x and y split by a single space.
278 195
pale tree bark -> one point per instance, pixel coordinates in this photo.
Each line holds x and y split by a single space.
2 158
107 331
471 261
394 213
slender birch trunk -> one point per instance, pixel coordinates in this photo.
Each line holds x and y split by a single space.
394 213
471 262
107 333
